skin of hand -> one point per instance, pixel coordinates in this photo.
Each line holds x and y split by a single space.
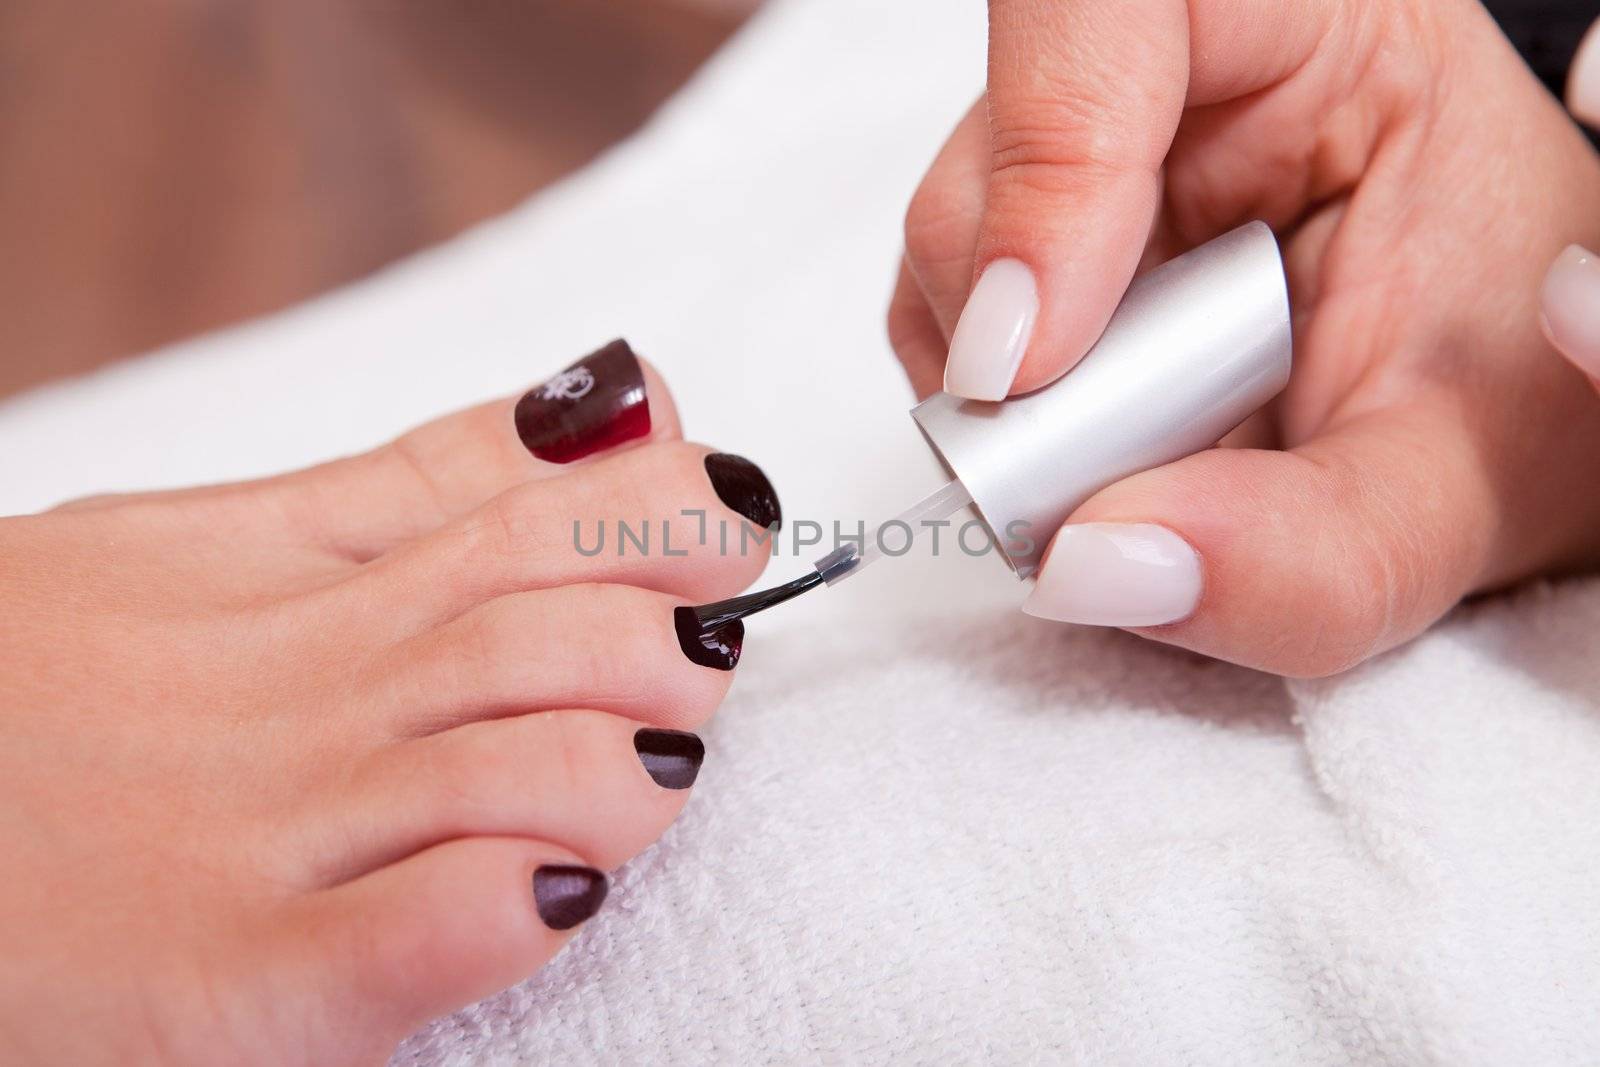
1419 180
1569 302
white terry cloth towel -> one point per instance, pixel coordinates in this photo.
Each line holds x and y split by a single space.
929 829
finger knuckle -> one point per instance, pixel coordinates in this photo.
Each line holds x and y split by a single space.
1062 140
1363 584
1350 620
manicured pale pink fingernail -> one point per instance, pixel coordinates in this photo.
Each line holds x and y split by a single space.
1117 574
992 333
1583 79
1569 306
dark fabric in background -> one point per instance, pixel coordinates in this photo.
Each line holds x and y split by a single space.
1547 33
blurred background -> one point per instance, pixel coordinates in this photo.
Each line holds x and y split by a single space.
171 166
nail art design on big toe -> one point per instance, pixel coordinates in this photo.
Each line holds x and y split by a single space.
597 403
566 896
672 757
717 648
742 486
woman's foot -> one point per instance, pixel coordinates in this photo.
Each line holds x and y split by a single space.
288 768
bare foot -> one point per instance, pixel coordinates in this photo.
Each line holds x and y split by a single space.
288 768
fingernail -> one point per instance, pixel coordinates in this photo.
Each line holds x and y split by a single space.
672 757
597 403
717 648
566 895
1569 305
1583 79
992 334
741 485
1117 574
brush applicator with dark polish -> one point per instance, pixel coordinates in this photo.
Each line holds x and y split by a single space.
716 646
708 617
1196 346
696 626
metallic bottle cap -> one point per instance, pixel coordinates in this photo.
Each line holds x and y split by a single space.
1196 346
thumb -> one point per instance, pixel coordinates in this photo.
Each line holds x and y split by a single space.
1569 308
1084 99
1301 563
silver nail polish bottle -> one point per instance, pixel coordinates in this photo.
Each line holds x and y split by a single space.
1197 345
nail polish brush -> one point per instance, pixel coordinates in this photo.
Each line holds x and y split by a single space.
840 563
1197 345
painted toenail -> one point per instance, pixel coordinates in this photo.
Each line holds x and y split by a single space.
595 404
566 896
672 757
717 648
742 486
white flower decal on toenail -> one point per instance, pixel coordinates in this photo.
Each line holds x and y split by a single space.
571 384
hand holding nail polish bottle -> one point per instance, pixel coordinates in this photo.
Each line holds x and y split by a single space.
1196 346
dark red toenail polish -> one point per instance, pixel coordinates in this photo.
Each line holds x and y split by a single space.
672 757
741 485
717 648
597 403
568 895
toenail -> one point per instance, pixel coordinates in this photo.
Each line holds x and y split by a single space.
742 486
567 895
718 648
597 403
672 757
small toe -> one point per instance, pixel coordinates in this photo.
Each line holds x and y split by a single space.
440 929
596 784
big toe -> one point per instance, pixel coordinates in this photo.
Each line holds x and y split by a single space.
605 402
